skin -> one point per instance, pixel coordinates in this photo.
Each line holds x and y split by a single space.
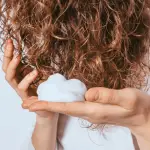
44 135
126 107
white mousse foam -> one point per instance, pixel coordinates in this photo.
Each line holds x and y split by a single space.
58 89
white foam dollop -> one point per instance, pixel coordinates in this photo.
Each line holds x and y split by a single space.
58 89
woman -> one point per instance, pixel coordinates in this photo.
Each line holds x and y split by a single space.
103 43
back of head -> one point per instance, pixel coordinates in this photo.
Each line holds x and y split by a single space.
101 42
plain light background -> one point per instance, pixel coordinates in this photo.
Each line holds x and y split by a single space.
14 121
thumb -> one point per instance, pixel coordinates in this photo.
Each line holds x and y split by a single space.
125 98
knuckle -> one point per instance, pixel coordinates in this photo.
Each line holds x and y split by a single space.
20 88
99 95
133 97
112 96
106 95
7 78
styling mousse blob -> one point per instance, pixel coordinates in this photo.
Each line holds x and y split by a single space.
58 89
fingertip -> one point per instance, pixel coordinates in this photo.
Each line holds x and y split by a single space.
9 40
24 106
91 94
9 46
34 73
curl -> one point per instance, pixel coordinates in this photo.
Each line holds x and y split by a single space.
100 42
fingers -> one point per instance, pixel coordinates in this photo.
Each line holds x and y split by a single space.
11 70
8 54
125 98
93 112
26 104
25 83
103 95
10 63
23 86
76 109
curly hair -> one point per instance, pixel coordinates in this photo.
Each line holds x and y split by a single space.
101 42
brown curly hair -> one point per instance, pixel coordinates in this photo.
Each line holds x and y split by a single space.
100 42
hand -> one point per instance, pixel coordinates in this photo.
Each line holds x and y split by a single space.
127 107
11 63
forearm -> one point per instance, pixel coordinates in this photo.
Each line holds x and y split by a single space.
44 135
142 136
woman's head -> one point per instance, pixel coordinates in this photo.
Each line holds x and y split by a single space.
100 42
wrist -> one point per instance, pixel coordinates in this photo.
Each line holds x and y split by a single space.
142 133
47 120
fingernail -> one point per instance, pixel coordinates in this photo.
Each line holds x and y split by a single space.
34 72
9 41
33 67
